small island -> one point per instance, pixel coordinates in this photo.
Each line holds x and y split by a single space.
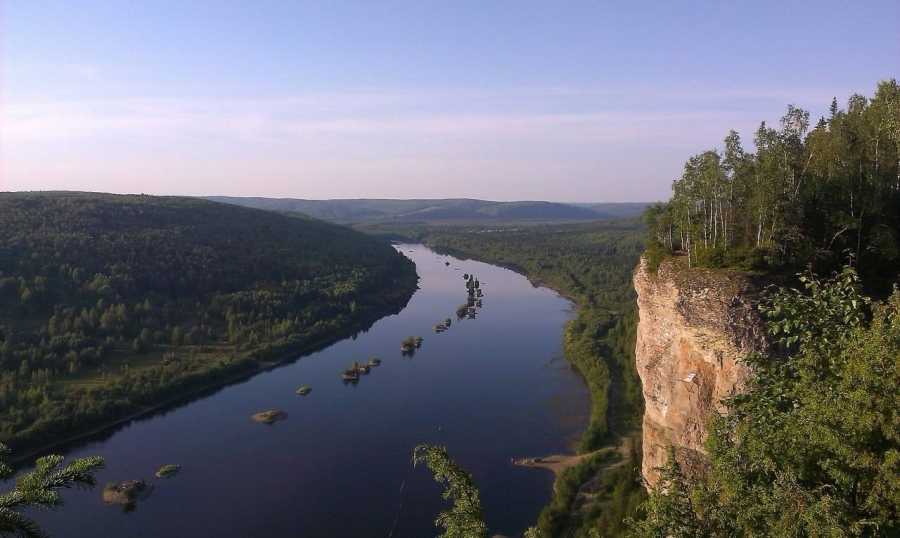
168 471
411 344
125 493
350 375
269 416
304 390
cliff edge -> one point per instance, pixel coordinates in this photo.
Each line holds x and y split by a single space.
694 327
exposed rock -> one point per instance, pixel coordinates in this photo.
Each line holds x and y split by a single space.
269 417
125 493
695 326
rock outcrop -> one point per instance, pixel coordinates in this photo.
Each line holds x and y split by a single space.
695 325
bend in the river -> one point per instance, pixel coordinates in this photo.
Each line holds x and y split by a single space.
491 388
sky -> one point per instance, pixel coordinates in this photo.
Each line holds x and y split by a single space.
503 100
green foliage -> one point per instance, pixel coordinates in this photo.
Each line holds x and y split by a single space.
807 196
554 517
569 514
670 511
110 304
819 317
813 447
582 348
464 519
40 488
620 495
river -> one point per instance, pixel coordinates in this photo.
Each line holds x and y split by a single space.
490 389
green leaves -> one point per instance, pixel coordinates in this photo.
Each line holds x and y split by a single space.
464 519
40 488
806 196
819 316
669 511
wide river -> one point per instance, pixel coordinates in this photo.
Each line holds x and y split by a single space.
490 389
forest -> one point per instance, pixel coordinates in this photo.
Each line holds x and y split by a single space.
823 194
112 304
592 264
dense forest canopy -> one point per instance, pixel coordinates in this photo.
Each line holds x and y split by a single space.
819 194
111 302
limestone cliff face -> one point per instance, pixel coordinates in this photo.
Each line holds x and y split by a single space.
695 325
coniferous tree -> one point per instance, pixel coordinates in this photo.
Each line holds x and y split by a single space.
40 488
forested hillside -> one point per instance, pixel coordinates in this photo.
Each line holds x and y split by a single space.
592 264
110 304
823 193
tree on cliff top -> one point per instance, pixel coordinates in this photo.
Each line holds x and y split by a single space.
808 194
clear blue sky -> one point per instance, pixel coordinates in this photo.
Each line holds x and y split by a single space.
592 101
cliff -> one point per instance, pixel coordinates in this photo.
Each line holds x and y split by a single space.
695 325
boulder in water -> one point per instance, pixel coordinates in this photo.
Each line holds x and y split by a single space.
125 493
270 416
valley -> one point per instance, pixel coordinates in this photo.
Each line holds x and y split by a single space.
492 388
113 306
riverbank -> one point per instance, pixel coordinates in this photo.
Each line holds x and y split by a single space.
590 265
556 463
583 343
203 383
484 379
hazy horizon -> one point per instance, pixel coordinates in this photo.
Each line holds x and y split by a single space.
347 198
582 103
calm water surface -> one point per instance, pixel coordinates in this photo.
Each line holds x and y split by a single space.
489 389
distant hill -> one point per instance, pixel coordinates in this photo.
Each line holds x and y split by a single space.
617 209
439 210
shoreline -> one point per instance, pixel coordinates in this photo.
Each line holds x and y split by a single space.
555 463
560 463
24 456
535 281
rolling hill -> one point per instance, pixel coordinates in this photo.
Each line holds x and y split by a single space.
111 304
355 211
